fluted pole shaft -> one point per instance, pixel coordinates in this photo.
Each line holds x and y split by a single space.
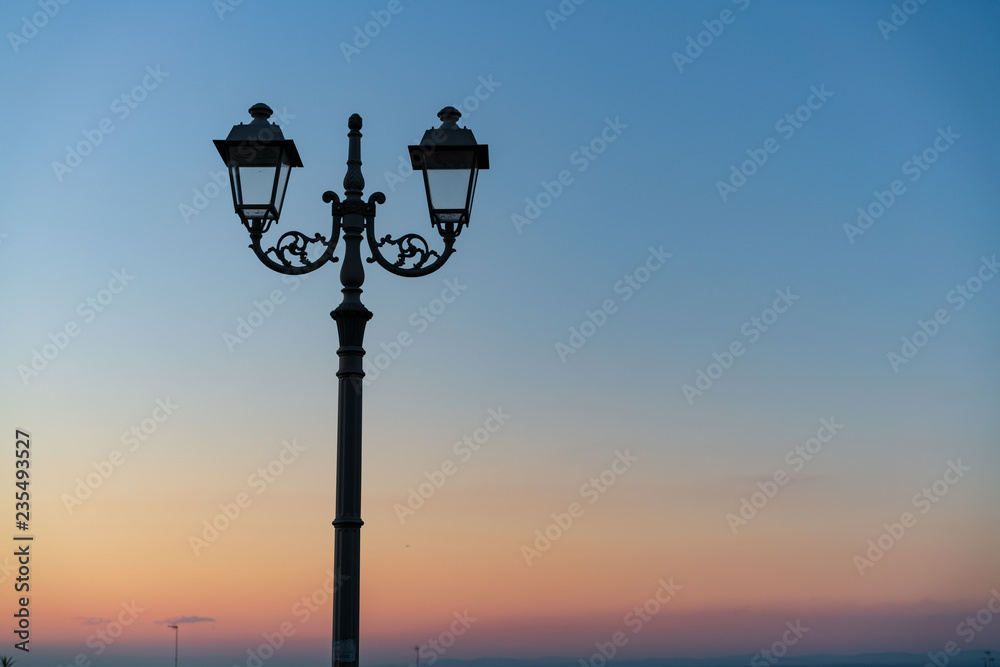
351 317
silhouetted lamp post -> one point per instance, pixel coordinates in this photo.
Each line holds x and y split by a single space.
176 640
260 160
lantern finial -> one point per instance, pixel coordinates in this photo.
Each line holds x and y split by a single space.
449 115
261 111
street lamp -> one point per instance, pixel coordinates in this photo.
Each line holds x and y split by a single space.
176 634
260 160
450 159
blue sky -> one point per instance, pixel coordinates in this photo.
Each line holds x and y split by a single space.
597 100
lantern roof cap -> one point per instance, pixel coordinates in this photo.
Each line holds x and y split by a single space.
259 132
449 137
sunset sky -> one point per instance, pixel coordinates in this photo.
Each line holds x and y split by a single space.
720 342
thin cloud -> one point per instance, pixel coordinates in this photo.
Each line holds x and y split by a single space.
187 619
90 620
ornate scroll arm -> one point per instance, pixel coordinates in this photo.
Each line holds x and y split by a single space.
290 252
411 247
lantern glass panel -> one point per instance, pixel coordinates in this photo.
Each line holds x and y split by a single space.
448 189
256 185
284 169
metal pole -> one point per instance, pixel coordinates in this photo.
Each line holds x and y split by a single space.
176 633
351 317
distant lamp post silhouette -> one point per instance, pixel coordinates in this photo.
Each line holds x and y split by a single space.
176 634
260 161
